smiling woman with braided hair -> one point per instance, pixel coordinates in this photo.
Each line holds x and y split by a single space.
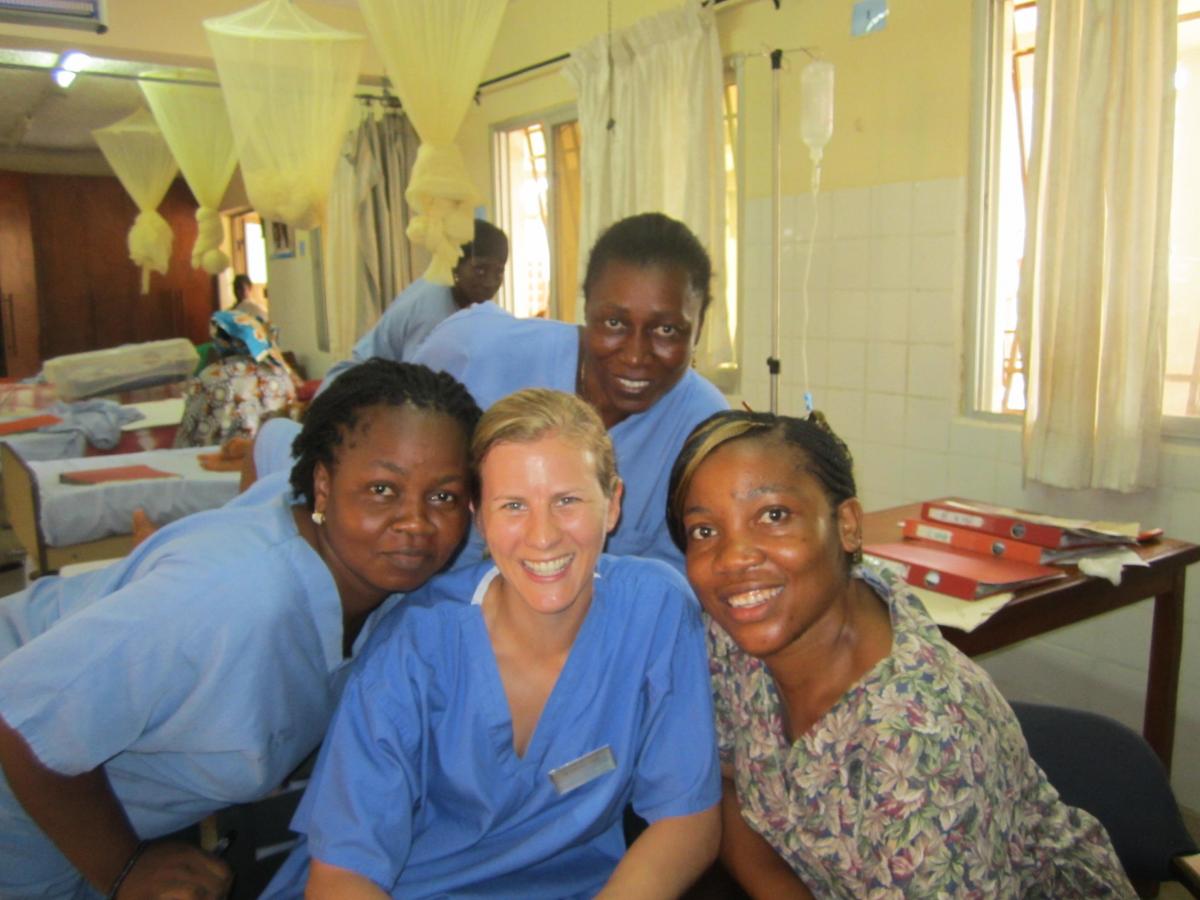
200 670
862 754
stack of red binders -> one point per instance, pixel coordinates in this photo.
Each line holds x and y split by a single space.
972 550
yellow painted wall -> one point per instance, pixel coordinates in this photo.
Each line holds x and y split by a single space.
168 31
901 98
902 95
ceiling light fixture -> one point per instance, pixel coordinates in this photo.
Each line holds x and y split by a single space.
69 64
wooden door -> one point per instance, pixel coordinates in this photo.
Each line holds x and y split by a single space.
90 290
18 280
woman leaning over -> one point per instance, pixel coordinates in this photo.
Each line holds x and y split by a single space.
503 717
200 670
863 755
645 294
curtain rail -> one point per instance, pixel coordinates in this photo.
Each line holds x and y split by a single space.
563 57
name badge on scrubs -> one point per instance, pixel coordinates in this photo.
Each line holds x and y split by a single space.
579 772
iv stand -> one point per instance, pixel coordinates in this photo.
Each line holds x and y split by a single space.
773 363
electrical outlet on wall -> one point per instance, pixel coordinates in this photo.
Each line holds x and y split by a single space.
868 16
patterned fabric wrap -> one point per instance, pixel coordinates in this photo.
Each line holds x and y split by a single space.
231 398
241 334
917 783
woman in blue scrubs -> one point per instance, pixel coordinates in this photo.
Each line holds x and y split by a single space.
502 720
200 670
646 291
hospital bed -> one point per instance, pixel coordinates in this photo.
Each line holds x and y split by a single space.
156 429
58 523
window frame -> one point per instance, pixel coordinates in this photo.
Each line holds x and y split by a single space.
547 120
983 176
992 21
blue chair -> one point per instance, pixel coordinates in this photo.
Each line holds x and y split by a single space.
1100 765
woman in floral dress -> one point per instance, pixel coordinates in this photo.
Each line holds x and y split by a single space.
250 383
863 756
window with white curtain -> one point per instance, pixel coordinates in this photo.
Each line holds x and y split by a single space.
1006 51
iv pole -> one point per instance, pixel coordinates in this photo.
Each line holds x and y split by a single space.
816 126
773 363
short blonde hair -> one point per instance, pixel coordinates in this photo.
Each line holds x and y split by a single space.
533 413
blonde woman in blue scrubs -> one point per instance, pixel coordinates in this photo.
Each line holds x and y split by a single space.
495 732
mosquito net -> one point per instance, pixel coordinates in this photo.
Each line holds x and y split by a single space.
139 155
434 52
190 112
288 82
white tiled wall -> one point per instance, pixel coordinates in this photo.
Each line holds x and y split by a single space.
884 341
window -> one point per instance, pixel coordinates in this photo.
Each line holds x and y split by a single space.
248 256
536 170
726 376
1007 44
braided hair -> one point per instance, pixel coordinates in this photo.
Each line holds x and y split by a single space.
823 455
377 382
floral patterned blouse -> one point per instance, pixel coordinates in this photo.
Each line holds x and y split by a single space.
917 783
231 398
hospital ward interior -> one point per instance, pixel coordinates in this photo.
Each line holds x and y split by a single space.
633 448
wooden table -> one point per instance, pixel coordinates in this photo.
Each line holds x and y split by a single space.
1042 608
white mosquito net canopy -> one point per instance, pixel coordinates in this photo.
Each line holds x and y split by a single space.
434 52
190 112
140 157
288 82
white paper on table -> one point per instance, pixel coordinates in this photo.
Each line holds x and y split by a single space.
1108 564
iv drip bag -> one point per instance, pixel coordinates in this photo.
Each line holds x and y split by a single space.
816 106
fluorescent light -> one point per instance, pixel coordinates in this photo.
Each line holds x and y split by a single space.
68 65
75 61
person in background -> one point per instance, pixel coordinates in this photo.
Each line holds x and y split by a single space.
249 382
243 299
204 667
646 290
410 317
862 754
501 719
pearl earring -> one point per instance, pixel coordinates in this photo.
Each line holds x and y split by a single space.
318 518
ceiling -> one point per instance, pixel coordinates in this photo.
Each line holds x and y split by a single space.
47 128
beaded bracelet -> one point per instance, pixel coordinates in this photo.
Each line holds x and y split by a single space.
129 864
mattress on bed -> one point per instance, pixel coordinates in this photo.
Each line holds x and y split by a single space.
72 514
125 368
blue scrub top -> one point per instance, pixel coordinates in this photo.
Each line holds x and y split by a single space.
402 328
494 354
418 786
199 671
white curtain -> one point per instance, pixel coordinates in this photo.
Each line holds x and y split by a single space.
1093 294
288 81
139 154
652 138
190 111
434 52
368 260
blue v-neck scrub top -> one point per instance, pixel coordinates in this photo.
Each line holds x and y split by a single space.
418 787
198 671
